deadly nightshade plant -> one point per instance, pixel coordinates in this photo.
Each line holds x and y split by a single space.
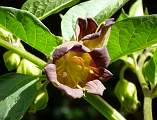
78 66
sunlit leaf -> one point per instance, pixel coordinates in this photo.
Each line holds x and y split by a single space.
28 28
132 34
44 8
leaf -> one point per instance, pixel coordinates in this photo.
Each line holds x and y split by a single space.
132 34
28 28
150 70
136 9
17 93
44 8
98 9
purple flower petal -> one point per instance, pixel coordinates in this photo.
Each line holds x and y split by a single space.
61 50
50 70
100 56
85 27
104 74
59 53
109 22
91 25
103 29
95 87
74 93
79 48
97 38
92 36
51 74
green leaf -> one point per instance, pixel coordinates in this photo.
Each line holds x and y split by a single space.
150 70
28 28
136 9
44 8
17 93
98 9
132 34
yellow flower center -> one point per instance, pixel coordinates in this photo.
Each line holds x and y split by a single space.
74 68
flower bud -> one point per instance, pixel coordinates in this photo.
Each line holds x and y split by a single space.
11 60
126 93
27 67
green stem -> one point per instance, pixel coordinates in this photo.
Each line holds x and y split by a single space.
24 54
121 75
142 81
103 107
148 108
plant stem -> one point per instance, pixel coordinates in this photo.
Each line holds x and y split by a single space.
103 107
142 81
23 53
121 75
147 108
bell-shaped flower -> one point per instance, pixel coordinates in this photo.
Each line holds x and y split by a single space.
80 66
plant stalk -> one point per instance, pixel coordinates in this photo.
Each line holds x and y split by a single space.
142 81
23 53
147 108
103 107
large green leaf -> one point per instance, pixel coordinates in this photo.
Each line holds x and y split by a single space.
28 28
98 9
17 93
44 8
132 34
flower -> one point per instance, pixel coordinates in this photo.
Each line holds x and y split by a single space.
78 66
